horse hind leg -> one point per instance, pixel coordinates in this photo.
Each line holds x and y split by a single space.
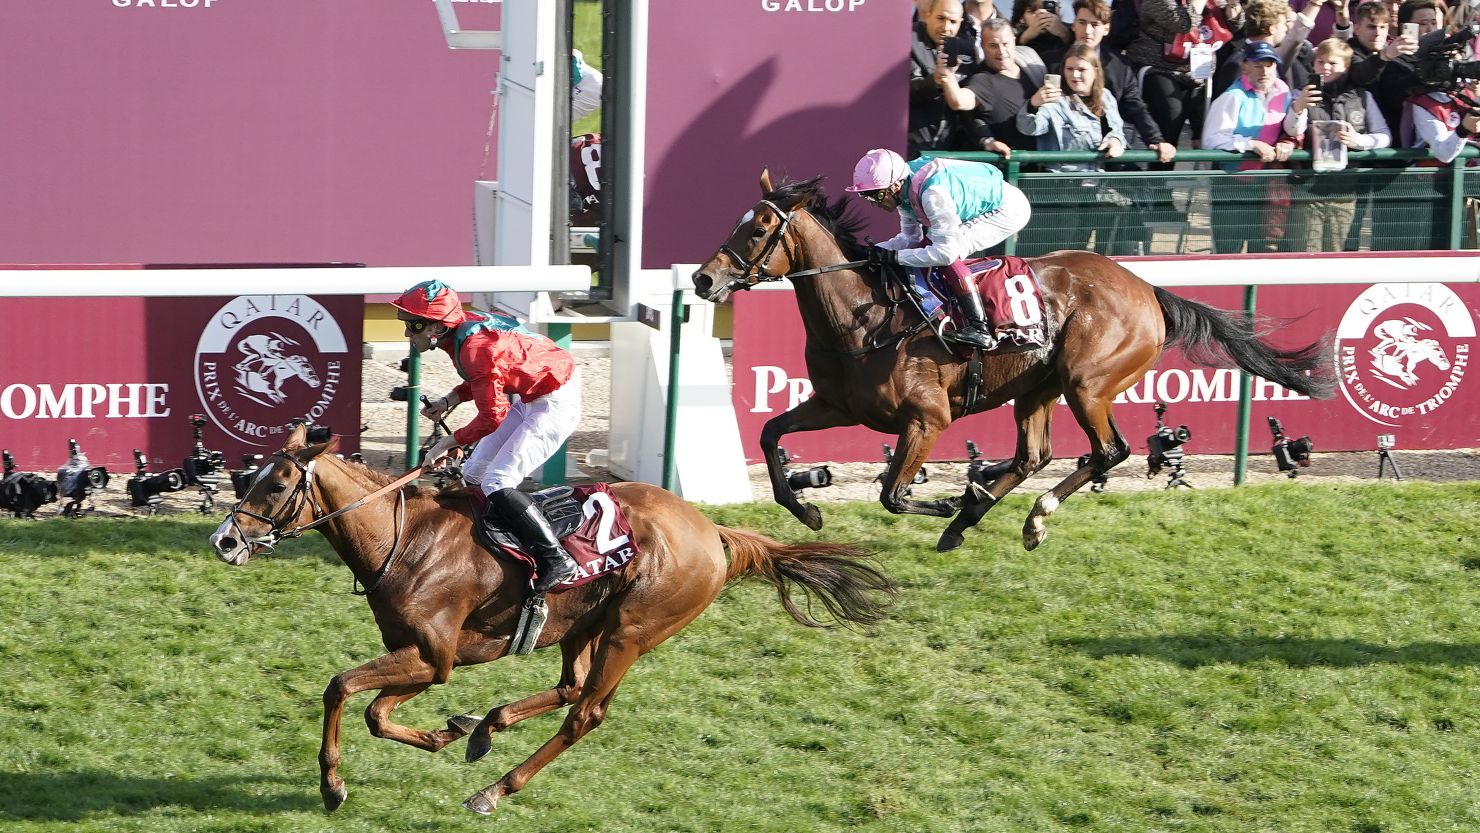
1034 451
611 663
1108 449
576 665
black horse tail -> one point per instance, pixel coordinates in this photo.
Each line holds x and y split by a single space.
1219 338
839 576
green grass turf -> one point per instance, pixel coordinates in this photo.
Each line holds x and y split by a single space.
1278 658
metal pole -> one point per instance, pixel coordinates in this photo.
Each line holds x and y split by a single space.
1245 400
553 474
670 421
413 402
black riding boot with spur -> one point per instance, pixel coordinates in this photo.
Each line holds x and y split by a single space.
516 512
977 332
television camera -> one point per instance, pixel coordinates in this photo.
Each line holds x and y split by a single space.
1437 65
1165 449
144 489
241 479
76 481
815 477
203 467
1290 455
24 492
921 476
1385 445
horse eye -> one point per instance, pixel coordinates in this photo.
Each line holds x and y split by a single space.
758 232
277 488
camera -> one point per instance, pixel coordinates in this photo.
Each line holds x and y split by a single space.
1165 448
1436 65
203 467
241 479
921 476
1051 6
798 479
1290 455
24 492
144 489
76 481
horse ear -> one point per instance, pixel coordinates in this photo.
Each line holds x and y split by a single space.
766 181
316 450
297 438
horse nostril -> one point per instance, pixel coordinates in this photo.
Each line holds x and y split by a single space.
226 544
702 284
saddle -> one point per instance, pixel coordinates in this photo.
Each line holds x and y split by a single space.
592 529
1012 297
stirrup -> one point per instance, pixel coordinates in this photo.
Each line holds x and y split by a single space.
532 618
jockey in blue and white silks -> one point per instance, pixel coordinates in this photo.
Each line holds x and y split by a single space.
948 210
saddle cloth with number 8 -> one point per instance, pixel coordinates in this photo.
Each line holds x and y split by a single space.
587 521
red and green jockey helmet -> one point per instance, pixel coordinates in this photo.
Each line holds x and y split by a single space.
433 301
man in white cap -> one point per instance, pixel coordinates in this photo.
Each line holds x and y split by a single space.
948 210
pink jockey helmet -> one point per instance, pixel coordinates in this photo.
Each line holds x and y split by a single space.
879 168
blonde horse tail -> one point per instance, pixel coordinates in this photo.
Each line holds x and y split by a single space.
839 576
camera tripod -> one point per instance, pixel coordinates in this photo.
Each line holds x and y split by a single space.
1383 460
1174 474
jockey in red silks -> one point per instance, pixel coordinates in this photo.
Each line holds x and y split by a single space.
948 210
498 359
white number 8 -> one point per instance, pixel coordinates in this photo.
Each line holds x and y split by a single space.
1022 296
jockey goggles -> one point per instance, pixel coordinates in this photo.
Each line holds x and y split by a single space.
875 196
416 326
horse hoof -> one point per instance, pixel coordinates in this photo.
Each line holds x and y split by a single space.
949 541
480 743
812 517
480 804
334 797
1032 538
463 724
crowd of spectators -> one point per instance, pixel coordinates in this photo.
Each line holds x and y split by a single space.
1262 78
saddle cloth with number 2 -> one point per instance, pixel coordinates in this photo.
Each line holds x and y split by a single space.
588 522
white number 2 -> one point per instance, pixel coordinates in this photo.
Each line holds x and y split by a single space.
1022 296
601 502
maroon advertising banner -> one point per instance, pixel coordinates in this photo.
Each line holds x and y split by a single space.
802 87
119 374
1402 352
241 130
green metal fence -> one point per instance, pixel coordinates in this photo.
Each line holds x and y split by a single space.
1385 200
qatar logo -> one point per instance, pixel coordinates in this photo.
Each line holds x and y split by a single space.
1403 350
264 361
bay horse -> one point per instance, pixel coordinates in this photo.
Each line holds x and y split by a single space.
442 601
873 360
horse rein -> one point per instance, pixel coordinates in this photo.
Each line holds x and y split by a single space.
303 494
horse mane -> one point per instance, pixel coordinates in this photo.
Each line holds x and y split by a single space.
838 217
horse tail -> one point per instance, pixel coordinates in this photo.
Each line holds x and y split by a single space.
853 591
1219 338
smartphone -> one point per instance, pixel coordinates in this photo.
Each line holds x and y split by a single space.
1410 31
1051 6
1315 81
1051 80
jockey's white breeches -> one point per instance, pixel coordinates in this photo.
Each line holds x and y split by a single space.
989 229
530 435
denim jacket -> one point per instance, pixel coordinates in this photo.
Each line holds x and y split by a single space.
1067 124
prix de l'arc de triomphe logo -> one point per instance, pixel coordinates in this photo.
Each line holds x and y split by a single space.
1402 350
265 360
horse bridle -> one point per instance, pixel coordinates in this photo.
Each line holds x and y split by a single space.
757 268
302 495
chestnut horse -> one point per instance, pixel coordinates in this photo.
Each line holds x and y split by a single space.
874 362
442 601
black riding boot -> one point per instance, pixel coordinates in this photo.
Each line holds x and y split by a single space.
977 332
518 514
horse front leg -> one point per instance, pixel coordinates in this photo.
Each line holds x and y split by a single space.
812 415
1034 451
912 449
403 667
575 665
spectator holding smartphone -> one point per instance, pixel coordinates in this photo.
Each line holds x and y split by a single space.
1320 224
1081 117
940 63
1037 25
